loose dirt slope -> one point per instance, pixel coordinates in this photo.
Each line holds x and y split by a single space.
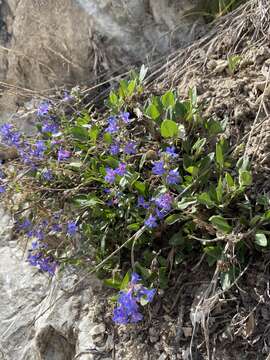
196 319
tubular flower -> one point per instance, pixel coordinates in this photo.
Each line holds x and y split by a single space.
128 310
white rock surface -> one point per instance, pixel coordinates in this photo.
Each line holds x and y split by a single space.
41 319
44 43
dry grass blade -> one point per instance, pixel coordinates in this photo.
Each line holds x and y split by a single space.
251 18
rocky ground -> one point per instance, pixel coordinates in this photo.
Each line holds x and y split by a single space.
47 44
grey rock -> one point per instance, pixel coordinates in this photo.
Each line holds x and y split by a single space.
51 43
43 318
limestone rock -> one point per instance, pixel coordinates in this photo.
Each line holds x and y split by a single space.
49 43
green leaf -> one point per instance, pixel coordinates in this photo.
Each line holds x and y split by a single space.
131 87
75 164
140 186
80 133
245 178
125 281
220 223
261 239
185 203
193 96
205 199
113 283
172 219
233 62
94 132
146 273
229 181
163 277
87 201
255 220
193 170
168 99
266 215
123 89
177 239
219 190
84 119
198 146
142 161
107 138
214 127
152 111
133 227
219 155
169 129
180 110
213 254
113 98
243 163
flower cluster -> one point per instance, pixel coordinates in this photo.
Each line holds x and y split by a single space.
37 257
115 125
10 136
157 208
43 108
111 174
128 309
164 169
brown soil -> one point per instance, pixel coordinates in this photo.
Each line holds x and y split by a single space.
195 319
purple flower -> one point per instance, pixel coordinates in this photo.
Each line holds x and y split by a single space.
63 154
113 125
121 170
34 259
47 175
35 245
2 189
128 310
39 234
114 149
130 148
125 117
71 228
39 148
9 135
151 222
40 260
50 128
135 278
110 175
171 152
15 139
6 129
48 265
142 203
164 202
158 168
147 293
25 225
67 97
56 228
173 178
43 109
160 214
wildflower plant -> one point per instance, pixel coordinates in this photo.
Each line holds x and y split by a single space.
145 178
